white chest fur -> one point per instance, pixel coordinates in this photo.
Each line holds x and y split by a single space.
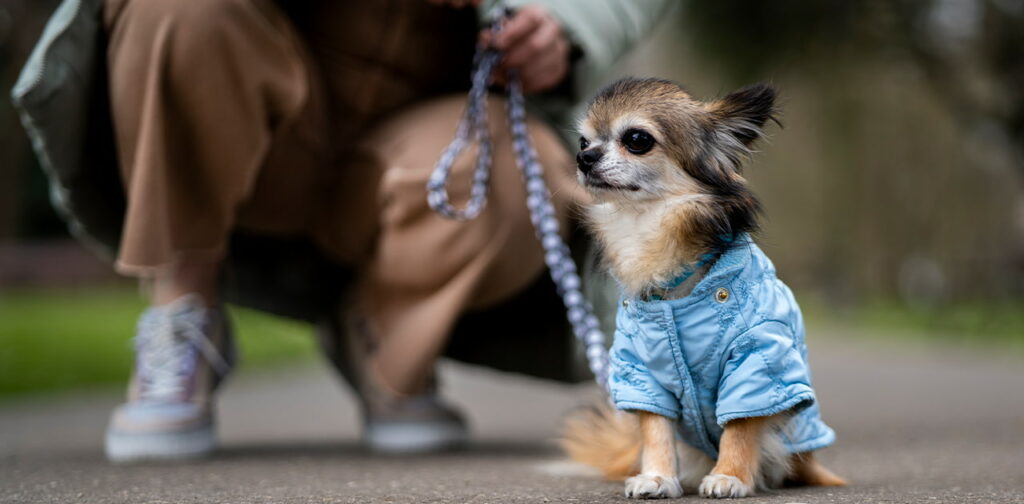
640 240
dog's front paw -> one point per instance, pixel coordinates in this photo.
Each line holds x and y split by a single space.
723 486
652 486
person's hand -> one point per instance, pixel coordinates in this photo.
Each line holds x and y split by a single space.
458 4
533 43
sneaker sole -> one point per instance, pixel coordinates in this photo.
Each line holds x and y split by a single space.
414 438
124 447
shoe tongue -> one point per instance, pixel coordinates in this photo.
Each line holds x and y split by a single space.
187 307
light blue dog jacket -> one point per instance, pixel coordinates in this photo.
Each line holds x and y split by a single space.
733 348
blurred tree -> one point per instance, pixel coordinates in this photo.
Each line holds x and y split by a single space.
901 218
972 51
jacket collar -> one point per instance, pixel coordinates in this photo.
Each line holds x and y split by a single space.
728 266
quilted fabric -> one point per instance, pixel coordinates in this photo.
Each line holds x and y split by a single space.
733 348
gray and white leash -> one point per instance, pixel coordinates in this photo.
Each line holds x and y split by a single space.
473 125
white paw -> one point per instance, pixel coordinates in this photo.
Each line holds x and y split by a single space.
652 486
722 486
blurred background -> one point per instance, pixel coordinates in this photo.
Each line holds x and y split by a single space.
894 194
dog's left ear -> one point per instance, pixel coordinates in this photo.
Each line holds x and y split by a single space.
743 113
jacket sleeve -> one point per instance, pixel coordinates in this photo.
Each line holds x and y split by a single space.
635 360
634 387
601 32
763 374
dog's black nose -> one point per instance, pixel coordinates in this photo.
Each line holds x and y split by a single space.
586 159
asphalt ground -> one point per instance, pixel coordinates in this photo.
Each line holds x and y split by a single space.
914 424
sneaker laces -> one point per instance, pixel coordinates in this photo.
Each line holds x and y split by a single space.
167 345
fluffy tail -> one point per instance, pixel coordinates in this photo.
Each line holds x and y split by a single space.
602 437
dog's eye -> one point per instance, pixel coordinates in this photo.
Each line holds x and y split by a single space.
638 141
584 143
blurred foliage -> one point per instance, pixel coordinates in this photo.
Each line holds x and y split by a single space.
971 50
981 326
53 340
899 173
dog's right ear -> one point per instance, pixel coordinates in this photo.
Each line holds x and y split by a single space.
743 113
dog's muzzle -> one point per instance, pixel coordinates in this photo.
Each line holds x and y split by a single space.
587 159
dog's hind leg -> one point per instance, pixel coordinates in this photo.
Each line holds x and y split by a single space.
693 466
657 478
806 470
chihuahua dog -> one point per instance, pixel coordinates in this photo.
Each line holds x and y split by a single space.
709 346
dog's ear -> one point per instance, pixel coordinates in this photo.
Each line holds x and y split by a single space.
743 113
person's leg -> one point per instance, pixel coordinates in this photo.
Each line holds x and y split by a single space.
427 270
418 271
200 92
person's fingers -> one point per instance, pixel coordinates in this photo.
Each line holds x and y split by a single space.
545 75
518 27
539 42
534 45
545 59
544 70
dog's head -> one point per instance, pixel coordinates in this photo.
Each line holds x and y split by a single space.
649 140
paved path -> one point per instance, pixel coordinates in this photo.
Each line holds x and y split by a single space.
914 426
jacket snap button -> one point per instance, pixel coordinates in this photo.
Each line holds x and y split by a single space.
722 295
625 303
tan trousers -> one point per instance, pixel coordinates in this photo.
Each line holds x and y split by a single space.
234 114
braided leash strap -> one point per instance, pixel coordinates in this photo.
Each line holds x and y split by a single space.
473 125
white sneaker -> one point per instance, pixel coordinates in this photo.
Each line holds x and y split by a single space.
178 363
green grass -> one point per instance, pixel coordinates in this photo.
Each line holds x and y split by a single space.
56 340
64 339
975 323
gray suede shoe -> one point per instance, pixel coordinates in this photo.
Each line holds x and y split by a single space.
182 352
392 425
421 424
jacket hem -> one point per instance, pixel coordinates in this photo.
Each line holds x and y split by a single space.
648 407
796 402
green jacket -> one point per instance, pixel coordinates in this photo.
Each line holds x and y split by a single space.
63 103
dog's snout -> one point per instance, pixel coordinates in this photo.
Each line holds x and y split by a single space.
586 159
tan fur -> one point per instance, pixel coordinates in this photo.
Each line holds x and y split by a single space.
604 438
645 243
658 478
659 454
751 450
807 471
739 453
